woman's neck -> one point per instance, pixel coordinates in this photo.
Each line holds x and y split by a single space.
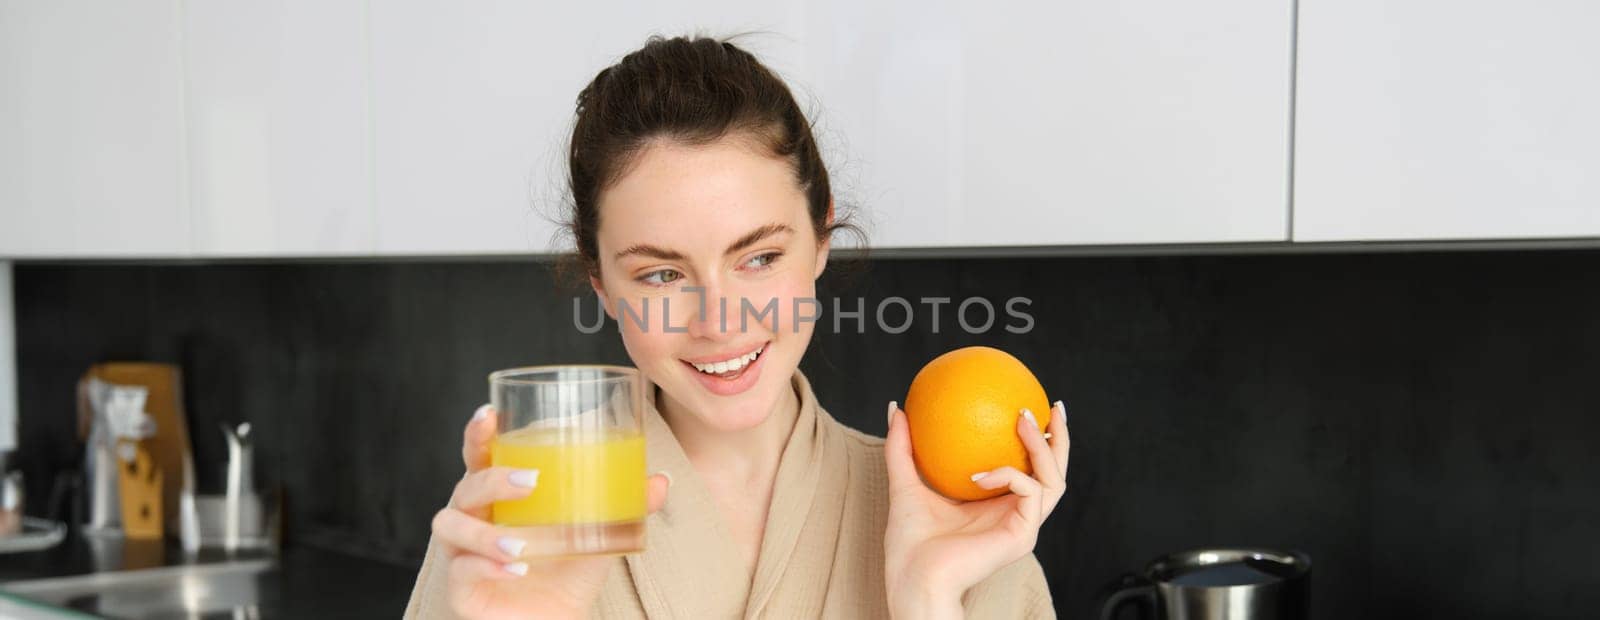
744 457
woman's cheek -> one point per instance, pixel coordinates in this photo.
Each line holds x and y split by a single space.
796 305
649 343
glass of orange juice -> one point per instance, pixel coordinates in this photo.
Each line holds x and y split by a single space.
579 426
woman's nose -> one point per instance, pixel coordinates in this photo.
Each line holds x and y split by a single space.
711 312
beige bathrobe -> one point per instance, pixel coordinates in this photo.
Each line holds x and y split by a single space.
821 554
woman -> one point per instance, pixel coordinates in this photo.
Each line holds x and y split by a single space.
695 178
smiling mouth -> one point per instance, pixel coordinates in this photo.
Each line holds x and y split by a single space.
729 368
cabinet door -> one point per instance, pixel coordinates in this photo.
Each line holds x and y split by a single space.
1447 120
473 106
278 129
91 141
1057 123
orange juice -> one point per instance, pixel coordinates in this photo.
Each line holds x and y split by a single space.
584 479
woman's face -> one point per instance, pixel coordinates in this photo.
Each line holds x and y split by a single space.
710 247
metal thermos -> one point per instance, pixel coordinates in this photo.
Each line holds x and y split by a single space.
1218 584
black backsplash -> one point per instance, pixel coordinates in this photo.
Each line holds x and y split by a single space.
1425 425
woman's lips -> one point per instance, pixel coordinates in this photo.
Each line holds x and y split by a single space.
723 357
737 383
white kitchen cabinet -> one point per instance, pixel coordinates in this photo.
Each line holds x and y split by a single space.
1058 123
91 141
949 125
1447 120
419 127
473 105
278 129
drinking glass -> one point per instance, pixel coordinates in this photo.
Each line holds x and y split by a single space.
579 426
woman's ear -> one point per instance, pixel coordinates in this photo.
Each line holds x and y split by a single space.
826 245
600 291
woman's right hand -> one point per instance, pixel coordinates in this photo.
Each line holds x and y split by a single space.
486 580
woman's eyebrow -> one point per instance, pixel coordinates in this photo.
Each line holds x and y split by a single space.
650 251
757 235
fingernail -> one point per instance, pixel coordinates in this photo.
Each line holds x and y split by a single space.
481 413
524 477
517 568
512 546
979 476
1062 406
1026 413
892 406
668 475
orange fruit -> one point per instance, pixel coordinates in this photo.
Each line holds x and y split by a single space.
962 412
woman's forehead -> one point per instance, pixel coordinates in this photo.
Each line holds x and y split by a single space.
699 194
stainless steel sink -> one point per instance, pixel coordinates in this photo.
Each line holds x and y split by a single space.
215 590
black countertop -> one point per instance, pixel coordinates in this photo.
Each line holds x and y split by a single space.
302 582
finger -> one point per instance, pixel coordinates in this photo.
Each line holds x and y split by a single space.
475 439
1039 454
1060 440
466 572
465 533
656 490
475 492
1022 485
897 450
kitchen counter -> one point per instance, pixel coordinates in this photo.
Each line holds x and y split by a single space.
300 582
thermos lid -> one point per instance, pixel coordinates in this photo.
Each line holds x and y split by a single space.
1228 567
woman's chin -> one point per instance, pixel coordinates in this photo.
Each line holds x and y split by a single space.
730 403
725 414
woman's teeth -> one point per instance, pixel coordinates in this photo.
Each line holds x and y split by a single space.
717 368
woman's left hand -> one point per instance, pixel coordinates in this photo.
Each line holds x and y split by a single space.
936 548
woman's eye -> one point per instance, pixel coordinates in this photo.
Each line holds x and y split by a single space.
763 260
661 278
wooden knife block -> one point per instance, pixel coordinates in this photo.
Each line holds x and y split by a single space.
139 491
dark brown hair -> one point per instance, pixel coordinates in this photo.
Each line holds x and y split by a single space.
693 91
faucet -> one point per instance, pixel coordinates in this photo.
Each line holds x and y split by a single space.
240 488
